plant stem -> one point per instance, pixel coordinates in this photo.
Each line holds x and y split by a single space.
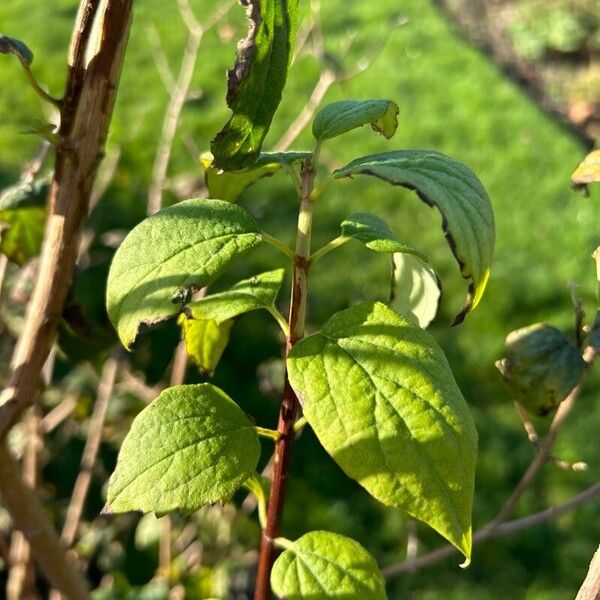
332 245
267 433
289 402
277 244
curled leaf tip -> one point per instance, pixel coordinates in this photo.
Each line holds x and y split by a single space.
10 45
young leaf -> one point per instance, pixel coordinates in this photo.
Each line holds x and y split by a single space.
22 220
339 117
205 341
256 82
255 293
588 171
374 233
541 367
468 218
10 45
192 446
327 565
416 289
177 250
381 398
229 186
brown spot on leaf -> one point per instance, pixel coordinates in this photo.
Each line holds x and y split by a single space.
245 51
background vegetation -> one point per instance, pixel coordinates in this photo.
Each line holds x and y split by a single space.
452 98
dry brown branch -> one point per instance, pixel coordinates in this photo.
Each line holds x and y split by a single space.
85 116
85 113
28 516
21 577
90 451
133 384
590 589
60 413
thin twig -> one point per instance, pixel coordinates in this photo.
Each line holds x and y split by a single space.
135 385
90 451
178 95
60 413
329 75
532 434
504 529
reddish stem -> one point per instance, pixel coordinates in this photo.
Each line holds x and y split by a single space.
289 403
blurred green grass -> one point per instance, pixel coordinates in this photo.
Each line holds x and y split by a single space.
453 99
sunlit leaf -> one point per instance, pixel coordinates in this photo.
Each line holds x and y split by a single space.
416 289
468 218
541 367
323 565
588 171
339 117
256 82
229 185
191 446
169 255
381 398
258 292
205 341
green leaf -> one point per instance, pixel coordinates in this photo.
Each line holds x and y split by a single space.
381 398
374 233
192 446
23 219
468 218
230 185
541 367
255 293
170 254
327 565
588 171
339 117
416 290
256 82
9 45
206 323
205 341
